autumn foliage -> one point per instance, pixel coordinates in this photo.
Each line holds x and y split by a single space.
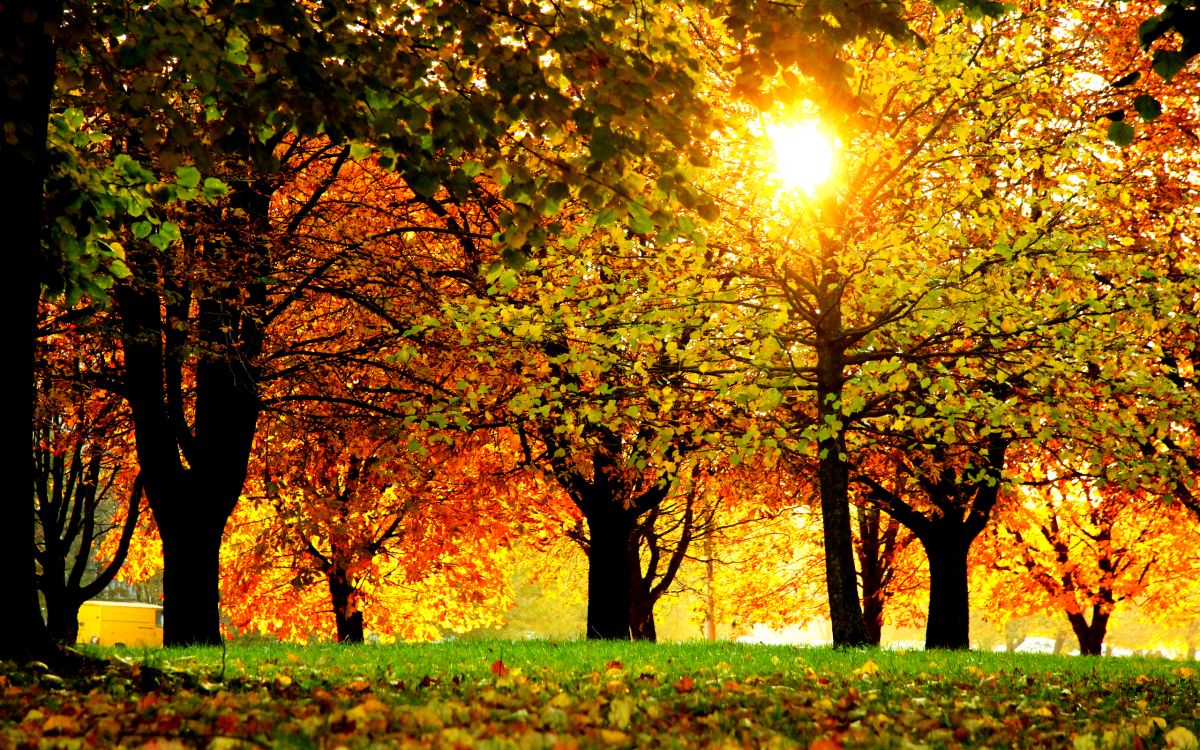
388 334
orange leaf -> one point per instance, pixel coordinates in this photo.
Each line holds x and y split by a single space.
498 668
684 685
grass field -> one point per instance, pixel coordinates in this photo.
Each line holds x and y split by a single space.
540 694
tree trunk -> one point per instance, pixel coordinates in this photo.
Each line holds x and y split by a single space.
194 472
191 543
609 576
346 614
841 579
710 594
62 618
873 549
949 625
641 623
1090 635
27 30
833 469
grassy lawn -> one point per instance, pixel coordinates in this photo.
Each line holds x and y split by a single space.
541 694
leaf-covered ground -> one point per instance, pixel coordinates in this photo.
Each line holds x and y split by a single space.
545 695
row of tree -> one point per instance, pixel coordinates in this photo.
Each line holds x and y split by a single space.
518 268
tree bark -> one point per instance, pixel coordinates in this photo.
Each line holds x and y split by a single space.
1090 635
833 468
641 621
610 575
845 611
949 624
191 533
346 614
194 472
877 549
27 31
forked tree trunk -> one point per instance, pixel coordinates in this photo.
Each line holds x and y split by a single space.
194 472
1090 635
62 620
642 627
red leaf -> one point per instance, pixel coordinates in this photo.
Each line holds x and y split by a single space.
498 668
684 685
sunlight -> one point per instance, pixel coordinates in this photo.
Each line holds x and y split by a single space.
805 155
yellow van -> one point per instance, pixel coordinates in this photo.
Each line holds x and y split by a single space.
127 623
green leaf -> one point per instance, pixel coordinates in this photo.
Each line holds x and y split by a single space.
1148 107
213 187
359 150
1120 133
514 258
639 223
1152 28
187 177
1167 63
141 229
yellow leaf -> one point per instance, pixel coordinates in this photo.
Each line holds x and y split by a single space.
1182 738
620 713
869 668
61 723
613 737
366 709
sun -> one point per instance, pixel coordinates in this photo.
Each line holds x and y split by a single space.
805 155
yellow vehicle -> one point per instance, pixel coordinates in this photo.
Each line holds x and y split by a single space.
126 623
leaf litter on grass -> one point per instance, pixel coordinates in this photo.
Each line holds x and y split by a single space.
805 700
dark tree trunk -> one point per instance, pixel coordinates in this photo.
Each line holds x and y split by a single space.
191 543
845 612
194 472
610 534
949 625
346 614
877 550
833 469
642 627
27 30
62 620
1090 635
873 616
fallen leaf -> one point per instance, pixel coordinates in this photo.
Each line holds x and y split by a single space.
869 668
1181 738
499 669
685 684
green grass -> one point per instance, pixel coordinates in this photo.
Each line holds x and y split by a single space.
534 694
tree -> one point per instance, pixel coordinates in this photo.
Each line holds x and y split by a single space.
1083 549
82 478
223 90
27 31
367 520
934 297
